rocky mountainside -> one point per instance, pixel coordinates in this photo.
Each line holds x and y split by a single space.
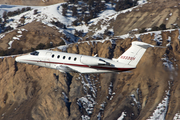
30 36
108 24
152 14
149 15
149 91
30 2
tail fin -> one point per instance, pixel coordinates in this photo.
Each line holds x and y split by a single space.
133 55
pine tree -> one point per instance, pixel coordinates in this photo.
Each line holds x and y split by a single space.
162 27
91 3
75 23
5 15
86 19
155 28
64 5
28 8
64 11
74 10
71 1
23 19
35 12
23 10
107 1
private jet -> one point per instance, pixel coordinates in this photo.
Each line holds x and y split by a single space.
68 62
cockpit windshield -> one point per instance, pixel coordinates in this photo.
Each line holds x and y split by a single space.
35 53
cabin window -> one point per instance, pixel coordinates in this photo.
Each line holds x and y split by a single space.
34 53
64 57
53 56
58 56
75 59
69 58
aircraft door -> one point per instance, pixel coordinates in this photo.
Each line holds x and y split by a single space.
48 56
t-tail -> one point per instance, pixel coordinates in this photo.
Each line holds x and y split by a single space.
133 55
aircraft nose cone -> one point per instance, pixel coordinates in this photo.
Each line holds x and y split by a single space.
17 59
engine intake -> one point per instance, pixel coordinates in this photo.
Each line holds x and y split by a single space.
92 61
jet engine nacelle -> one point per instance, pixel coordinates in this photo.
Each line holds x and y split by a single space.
92 61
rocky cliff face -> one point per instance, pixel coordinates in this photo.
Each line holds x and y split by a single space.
32 92
31 2
154 13
30 36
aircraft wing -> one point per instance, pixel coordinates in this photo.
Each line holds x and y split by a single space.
63 68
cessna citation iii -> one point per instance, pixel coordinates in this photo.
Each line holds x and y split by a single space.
68 62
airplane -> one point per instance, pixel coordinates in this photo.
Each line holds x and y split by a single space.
69 62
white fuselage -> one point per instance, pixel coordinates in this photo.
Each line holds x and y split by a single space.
68 62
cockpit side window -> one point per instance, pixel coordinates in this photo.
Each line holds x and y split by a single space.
34 53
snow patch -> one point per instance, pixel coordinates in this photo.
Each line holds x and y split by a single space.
85 117
1 36
122 116
17 37
88 102
66 99
142 2
110 91
167 63
10 44
177 116
160 112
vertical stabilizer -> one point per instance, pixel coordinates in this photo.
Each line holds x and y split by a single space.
133 55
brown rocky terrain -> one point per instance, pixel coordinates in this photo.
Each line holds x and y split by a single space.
36 93
154 13
31 35
31 92
31 2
